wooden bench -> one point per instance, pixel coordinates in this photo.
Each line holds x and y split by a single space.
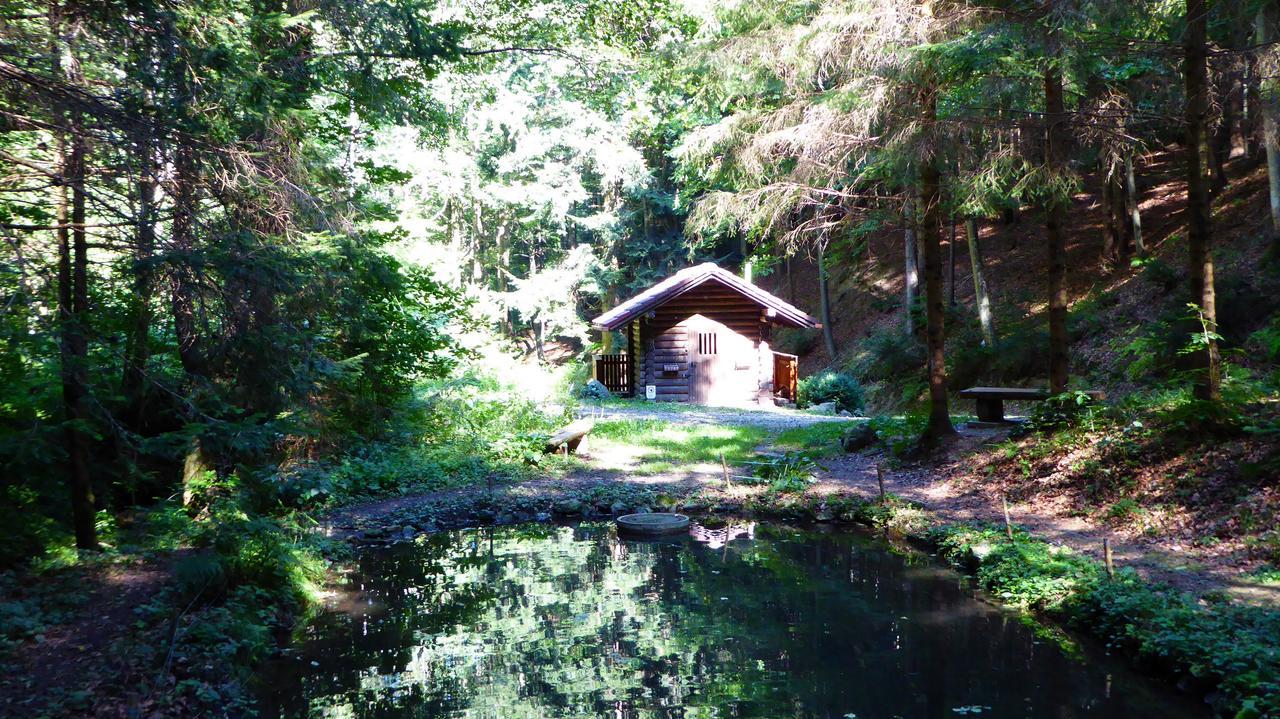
570 436
990 400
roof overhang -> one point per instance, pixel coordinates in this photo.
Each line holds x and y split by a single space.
777 310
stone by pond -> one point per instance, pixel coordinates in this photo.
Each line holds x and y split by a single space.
746 620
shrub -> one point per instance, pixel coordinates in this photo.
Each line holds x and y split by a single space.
889 353
828 386
788 472
1060 411
27 531
901 435
252 550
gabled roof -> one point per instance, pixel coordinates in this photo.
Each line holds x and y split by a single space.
696 276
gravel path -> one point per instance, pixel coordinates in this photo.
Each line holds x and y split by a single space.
774 418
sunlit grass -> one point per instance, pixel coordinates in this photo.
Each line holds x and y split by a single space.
646 446
823 437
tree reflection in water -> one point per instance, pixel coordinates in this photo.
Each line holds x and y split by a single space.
747 620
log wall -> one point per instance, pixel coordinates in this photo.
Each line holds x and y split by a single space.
664 339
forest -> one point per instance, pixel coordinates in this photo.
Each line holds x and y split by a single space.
284 280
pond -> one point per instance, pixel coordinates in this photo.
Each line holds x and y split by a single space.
748 620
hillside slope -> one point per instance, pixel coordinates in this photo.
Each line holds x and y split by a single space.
867 292
1189 492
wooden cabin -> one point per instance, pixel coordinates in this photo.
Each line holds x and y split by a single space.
701 336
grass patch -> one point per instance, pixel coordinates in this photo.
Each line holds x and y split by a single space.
659 447
823 438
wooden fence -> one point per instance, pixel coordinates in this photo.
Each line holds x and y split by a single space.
786 375
614 372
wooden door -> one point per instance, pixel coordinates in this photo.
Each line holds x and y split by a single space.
722 364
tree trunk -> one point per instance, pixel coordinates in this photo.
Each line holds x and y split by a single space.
791 282
73 294
477 245
951 265
184 286
930 233
1131 203
138 343
1110 230
1120 217
1220 142
1199 237
1251 126
1055 211
912 263
981 298
824 301
1267 108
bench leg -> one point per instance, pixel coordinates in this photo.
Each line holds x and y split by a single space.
990 409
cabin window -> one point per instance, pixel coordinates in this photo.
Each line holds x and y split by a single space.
706 343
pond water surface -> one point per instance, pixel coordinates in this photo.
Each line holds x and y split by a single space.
748 621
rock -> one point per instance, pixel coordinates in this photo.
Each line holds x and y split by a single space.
618 507
823 514
428 527
845 413
568 507
506 518
407 531
824 408
595 389
373 533
543 516
642 510
858 438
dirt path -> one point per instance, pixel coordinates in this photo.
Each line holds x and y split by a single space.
76 661
932 486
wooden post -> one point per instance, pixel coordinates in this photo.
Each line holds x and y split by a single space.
880 480
1008 526
724 467
1106 557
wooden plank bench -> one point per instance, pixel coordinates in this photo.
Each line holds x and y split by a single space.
569 436
990 400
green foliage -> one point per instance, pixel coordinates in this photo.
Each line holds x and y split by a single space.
1266 341
886 354
821 438
827 386
901 435
453 433
1231 647
1124 510
253 550
28 532
786 472
1060 412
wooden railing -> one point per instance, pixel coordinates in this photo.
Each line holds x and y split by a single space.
614 372
786 375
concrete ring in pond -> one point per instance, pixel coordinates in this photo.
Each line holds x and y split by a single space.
653 524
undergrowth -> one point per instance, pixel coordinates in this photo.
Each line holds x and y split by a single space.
1230 647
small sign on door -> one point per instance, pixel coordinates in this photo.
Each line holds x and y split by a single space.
651 391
